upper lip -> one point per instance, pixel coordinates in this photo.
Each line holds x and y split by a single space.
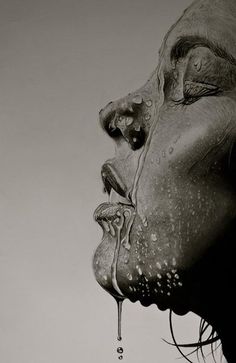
112 180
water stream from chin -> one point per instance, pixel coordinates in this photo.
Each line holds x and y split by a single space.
122 224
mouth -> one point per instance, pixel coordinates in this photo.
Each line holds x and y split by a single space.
117 265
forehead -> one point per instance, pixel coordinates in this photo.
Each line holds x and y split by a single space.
213 20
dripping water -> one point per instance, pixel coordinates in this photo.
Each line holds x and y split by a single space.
119 224
155 113
119 310
116 255
120 350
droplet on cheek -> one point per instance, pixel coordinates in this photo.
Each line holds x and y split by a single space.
149 103
198 64
147 117
154 237
130 277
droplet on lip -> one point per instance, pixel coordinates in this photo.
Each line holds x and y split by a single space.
145 222
112 230
106 226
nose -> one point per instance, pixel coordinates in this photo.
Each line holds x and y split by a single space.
123 118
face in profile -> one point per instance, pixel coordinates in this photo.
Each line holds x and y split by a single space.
170 184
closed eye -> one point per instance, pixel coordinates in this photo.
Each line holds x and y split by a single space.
193 91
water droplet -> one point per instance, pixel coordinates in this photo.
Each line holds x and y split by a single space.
154 237
127 213
120 350
158 265
112 230
106 226
171 149
145 222
147 117
149 103
135 139
140 271
138 99
130 277
119 310
159 276
129 121
198 64
120 357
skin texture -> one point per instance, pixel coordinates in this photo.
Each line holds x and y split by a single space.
174 168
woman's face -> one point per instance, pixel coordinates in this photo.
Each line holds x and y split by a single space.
171 190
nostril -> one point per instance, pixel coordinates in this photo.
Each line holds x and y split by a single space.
136 138
123 118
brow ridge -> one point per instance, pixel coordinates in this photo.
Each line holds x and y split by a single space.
185 44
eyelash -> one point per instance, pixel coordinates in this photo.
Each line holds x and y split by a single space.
193 91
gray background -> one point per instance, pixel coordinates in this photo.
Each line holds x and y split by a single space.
60 62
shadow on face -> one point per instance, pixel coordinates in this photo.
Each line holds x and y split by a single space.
171 182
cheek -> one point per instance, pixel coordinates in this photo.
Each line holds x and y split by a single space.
175 230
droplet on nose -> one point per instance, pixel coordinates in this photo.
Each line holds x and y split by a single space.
137 99
149 103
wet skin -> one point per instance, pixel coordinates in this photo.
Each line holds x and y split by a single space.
173 169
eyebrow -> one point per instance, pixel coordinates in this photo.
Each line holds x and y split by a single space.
185 44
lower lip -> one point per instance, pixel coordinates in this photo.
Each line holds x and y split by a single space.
107 211
115 219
